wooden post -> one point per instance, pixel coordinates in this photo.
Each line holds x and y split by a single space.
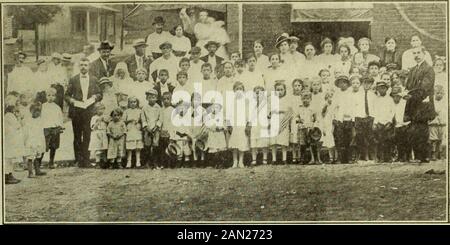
121 28
87 26
36 40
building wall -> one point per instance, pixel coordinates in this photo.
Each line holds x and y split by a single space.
267 21
430 17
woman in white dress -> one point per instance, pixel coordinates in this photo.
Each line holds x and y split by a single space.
408 61
344 63
327 59
310 67
180 44
262 61
283 45
275 72
252 77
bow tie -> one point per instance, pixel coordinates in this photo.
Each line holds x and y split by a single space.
83 76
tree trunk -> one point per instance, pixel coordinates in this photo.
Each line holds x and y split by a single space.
36 40
121 28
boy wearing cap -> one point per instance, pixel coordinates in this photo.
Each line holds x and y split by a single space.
383 114
363 110
138 60
167 61
151 124
343 124
401 141
155 39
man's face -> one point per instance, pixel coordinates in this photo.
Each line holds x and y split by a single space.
105 53
212 49
163 76
84 67
140 50
20 58
418 55
166 50
382 90
415 42
159 27
203 16
293 46
56 61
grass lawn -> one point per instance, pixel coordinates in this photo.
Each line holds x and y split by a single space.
352 192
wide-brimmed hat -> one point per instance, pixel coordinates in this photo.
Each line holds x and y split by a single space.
200 144
342 78
281 39
56 55
173 150
66 57
139 42
104 80
315 134
397 90
211 43
21 53
294 39
158 20
195 50
165 45
105 45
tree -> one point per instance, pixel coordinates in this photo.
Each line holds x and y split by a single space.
31 16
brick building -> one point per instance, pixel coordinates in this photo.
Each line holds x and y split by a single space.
314 21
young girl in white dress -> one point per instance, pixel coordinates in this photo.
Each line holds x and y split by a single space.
441 76
279 120
34 140
122 82
252 76
239 142
214 121
134 143
259 125
327 59
116 132
326 125
99 139
13 141
296 98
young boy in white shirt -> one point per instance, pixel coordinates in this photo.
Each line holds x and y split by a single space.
52 117
383 126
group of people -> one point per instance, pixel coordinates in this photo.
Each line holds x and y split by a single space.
356 105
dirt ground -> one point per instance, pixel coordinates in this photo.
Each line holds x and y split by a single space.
351 192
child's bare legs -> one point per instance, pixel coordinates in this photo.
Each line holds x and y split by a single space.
265 153
129 155
330 154
294 154
254 155
313 157
30 168
274 153
284 150
138 158
51 163
241 159
318 149
235 158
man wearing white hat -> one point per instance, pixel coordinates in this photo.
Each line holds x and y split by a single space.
19 77
138 60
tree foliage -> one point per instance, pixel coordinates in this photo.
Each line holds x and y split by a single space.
27 16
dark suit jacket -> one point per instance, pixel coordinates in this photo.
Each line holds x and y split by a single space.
74 92
132 65
157 87
97 69
420 83
219 59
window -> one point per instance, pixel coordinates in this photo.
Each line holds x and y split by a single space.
78 21
93 22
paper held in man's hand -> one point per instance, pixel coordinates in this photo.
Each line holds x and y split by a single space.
84 104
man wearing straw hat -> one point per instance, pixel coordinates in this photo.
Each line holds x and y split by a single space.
18 77
138 60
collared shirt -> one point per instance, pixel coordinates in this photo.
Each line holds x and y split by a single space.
383 112
52 115
195 71
399 113
359 107
84 83
156 39
151 116
212 61
170 64
105 64
139 61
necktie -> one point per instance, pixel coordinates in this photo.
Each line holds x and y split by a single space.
366 104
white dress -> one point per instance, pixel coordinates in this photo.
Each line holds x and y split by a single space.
19 79
99 138
34 138
13 140
134 129
282 138
182 44
259 137
326 126
238 139
262 63
216 138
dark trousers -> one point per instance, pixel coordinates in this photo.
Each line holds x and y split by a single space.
81 137
162 158
418 138
401 141
343 135
364 134
384 137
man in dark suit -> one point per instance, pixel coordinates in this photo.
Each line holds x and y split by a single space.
212 58
81 94
138 60
103 66
420 104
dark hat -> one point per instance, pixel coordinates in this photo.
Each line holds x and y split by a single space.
104 80
40 61
367 79
397 90
381 83
211 43
200 144
158 20
343 78
66 57
391 66
281 39
105 45
195 50
315 134
165 45
173 150
294 39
